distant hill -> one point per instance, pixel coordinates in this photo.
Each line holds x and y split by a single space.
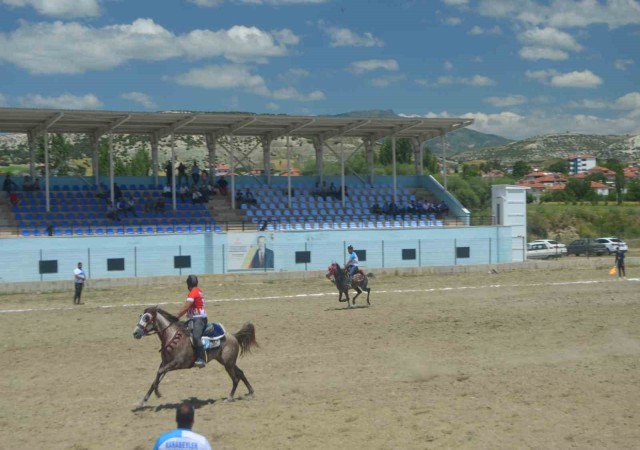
560 145
457 142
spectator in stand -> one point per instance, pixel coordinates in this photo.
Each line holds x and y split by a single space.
121 207
131 207
325 190
36 184
317 191
9 185
195 173
333 190
249 198
102 192
148 203
117 192
14 199
183 192
375 209
112 212
158 207
182 174
27 185
222 186
196 195
204 177
168 169
166 191
239 199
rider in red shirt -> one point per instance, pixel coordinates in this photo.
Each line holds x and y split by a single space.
197 317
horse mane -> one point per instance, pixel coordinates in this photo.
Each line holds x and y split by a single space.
171 318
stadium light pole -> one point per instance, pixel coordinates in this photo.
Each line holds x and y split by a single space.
288 171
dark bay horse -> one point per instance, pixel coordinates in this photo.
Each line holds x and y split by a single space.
359 282
178 353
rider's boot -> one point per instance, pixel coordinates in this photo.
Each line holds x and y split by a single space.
200 358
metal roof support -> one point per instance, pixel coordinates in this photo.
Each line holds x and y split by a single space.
342 171
155 166
395 175
444 159
233 172
42 129
266 157
289 171
98 132
342 130
173 171
211 152
318 145
166 131
416 143
94 142
31 139
368 148
111 190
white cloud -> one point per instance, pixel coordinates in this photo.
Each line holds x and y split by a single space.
448 65
588 104
629 101
622 64
66 9
455 2
139 97
213 3
478 31
453 21
549 37
236 76
509 100
44 47
584 79
3 100
564 13
387 80
272 106
373 64
476 80
344 37
536 53
65 101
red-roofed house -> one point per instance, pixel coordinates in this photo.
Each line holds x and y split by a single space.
601 189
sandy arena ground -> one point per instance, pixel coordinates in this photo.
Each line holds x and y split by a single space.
539 359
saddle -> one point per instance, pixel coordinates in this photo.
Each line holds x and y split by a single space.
212 336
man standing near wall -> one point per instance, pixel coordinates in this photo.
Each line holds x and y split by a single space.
79 278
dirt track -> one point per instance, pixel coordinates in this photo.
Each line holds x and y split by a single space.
507 360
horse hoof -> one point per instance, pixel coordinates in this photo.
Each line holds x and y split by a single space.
229 399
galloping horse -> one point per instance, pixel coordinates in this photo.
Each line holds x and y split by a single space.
359 282
178 353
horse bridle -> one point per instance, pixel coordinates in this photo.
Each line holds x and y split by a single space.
151 319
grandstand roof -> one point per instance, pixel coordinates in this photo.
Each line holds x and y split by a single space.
20 120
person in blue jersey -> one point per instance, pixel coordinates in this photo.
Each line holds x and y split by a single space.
183 437
352 262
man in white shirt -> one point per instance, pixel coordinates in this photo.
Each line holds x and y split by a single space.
79 277
183 437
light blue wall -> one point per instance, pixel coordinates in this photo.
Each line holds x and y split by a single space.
154 255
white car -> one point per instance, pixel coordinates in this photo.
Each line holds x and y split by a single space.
552 244
544 250
612 243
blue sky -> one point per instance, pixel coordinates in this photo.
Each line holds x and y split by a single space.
520 68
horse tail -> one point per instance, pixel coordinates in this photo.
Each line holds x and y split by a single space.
370 275
246 338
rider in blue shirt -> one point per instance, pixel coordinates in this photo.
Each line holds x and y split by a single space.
352 262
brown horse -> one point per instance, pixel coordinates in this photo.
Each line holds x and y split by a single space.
340 277
177 352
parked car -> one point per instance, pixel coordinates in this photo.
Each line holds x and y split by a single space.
586 247
551 244
544 250
612 243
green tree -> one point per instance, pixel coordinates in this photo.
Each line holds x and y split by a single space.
559 166
404 151
429 161
520 169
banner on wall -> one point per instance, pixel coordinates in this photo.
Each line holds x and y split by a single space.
251 251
